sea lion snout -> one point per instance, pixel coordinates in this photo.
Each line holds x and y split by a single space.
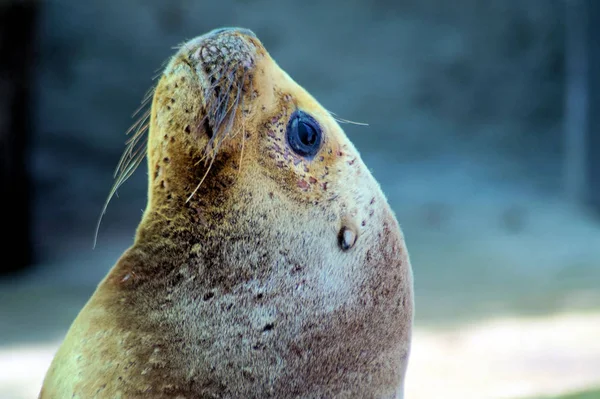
222 49
199 102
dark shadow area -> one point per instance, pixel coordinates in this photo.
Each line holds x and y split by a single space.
18 26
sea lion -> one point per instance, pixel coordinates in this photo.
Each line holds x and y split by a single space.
267 262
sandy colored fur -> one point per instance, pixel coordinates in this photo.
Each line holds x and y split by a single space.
242 290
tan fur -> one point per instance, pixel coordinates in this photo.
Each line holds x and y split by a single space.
243 291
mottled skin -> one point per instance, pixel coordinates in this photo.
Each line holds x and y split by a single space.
244 291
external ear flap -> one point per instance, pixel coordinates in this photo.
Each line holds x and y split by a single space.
347 238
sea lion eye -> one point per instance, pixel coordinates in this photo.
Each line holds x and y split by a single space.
304 134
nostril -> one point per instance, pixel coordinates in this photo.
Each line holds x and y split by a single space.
244 31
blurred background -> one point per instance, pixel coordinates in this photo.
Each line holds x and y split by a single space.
483 132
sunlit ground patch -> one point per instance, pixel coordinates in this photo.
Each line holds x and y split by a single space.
22 369
506 358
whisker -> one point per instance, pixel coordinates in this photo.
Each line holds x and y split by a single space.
227 96
218 111
214 73
230 116
201 180
139 133
342 120
221 112
134 159
204 156
139 122
131 144
140 149
132 156
145 100
223 97
159 71
127 173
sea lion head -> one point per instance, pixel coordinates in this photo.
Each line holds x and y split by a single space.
286 253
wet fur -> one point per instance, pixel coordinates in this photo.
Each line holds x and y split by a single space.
237 287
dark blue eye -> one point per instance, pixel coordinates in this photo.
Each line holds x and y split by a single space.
304 134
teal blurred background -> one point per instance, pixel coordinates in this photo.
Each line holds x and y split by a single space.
480 115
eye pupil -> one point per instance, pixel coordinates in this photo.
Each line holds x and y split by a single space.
304 134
